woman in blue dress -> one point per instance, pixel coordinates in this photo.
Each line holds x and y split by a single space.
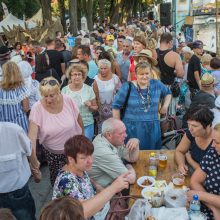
141 112
14 102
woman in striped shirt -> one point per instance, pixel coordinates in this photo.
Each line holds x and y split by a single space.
14 103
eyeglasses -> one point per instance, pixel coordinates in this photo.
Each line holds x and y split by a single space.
121 30
75 74
51 82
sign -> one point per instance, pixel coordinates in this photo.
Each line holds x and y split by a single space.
71 41
189 34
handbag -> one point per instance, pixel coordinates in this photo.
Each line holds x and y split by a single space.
122 110
175 89
119 207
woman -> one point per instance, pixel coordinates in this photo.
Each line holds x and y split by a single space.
83 95
197 140
17 50
42 68
141 113
73 180
105 86
53 120
205 181
65 208
31 84
14 95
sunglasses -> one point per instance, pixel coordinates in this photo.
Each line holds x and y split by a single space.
51 82
121 30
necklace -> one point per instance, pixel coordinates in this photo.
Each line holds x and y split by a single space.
145 102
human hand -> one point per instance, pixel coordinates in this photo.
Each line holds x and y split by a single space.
163 110
132 144
121 183
191 193
183 168
88 104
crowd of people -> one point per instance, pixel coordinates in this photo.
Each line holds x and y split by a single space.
88 110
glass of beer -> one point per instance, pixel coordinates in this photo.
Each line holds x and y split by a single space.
162 160
178 180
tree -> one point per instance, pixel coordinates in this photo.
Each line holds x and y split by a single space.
73 16
61 5
46 11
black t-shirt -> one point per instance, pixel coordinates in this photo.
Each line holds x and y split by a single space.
50 72
67 56
194 65
56 58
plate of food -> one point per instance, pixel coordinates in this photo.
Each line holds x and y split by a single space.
146 181
149 192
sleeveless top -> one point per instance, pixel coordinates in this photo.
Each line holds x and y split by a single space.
167 72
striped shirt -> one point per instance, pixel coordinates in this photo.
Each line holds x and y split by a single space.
11 109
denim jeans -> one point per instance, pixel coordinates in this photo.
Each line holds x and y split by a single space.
89 131
20 202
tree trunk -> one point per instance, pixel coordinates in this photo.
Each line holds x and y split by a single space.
62 14
102 9
73 16
46 11
89 14
79 14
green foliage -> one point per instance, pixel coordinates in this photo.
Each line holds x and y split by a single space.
21 7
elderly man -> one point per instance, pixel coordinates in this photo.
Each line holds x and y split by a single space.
110 152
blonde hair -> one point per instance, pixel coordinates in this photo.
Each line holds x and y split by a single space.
142 66
217 127
78 68
45 86
206 59
12 77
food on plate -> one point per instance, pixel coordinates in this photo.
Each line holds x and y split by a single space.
146 182
160 184
150 218
151 194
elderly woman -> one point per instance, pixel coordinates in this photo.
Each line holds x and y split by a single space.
205 181
83 95
197 140
73 180
105 86
14 103
54 119
141 112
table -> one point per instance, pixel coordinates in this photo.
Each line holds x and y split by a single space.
142 165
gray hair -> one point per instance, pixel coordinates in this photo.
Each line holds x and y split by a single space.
127 41
109 125
104 62
85 41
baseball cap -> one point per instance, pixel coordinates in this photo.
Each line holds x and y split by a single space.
110 37
197 44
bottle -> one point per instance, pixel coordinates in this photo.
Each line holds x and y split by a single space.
153 165
194 204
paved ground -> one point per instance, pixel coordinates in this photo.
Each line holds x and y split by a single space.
42 192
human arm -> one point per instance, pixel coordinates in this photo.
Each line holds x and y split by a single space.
34 163
166 104
96 203
180 152
91 104
190 161
25 105
179 66
98 187
116 113
96 91
63 68
80 122
132 147
197 78
117 70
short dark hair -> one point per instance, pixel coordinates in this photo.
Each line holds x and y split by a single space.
16 44
215 63
201 114
48 41
121 36
85 50
58 44
166 37
112 27
78 144
57 32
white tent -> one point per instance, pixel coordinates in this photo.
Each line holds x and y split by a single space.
11 20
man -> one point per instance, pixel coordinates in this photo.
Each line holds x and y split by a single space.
84 53
120 41
123 59
67 55
194 68
55 58
58 34
110 151
169 61
15 171
170 65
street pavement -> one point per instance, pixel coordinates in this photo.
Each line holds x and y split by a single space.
41 192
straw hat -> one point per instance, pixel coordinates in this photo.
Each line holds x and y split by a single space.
207 80
146 53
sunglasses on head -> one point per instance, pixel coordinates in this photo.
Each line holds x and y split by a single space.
51 82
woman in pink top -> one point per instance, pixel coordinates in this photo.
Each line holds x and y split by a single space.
53 120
